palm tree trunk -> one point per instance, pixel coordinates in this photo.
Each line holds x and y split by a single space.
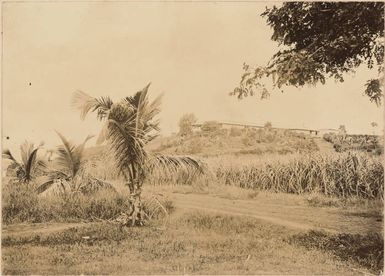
134 184
137 214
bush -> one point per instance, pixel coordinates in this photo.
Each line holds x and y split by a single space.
234 131
366 143
195 146
210 126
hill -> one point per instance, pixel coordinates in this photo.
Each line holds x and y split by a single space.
235 141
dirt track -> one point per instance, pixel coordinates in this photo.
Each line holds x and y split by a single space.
275 211
284 213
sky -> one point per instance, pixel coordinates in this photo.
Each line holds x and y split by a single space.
191 52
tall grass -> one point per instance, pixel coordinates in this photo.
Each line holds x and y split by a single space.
341 175
21 203
344 175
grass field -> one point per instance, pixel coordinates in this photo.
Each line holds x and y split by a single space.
265 213
192 242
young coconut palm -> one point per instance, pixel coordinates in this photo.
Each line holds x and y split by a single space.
130 124
30 164
67 164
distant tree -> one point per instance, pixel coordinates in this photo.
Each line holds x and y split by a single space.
342 130
374 125
186 124
320 40
268 125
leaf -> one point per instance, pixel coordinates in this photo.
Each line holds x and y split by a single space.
85 103
174 163
45 186
30 164
7 155
70 156
103 134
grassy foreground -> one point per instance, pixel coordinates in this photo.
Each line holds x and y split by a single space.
193 242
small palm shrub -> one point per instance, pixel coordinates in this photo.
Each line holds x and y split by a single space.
29 167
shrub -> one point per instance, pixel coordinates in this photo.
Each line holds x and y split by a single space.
234 131
366 143
195 146
210 126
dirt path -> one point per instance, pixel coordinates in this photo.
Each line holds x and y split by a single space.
24 229
324 146
286 214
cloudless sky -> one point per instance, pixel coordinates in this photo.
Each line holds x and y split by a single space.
191 52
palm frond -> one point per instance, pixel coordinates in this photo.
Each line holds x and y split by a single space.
45 186
141 107
80 148
16 166
8 155
65 159
30 163
26 150
174 163
102 135
41 164
50 180
128 148
69 155
85 103
78 152
34 163
144 113
131 124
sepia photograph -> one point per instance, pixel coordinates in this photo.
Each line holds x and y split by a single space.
192 138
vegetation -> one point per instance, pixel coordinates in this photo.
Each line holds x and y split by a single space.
186 124
210 127
268 125
343 175
22 204
195 242
320 40
88 195
67 167
219 141
129 125
30 165
367 250
366 143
